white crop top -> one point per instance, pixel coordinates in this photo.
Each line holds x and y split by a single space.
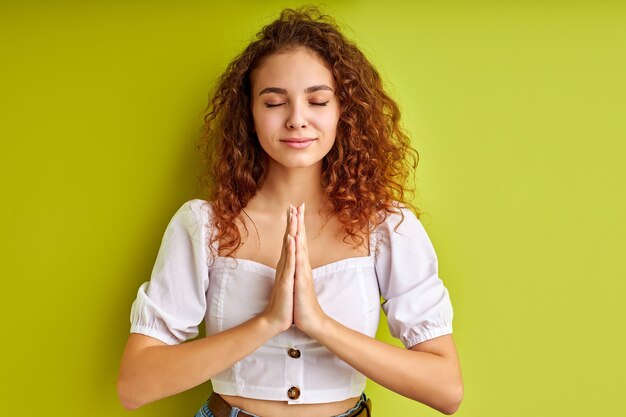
186 287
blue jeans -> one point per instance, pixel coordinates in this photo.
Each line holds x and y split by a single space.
204 411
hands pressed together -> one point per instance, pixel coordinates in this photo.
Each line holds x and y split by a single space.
293 299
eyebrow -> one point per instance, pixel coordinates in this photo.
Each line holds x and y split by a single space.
282 91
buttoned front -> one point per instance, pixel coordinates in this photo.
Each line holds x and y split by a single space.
294 353
188 285
293 393
241 291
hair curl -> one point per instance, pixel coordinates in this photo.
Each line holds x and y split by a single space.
365 174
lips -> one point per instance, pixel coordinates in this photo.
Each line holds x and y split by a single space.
298 143
297 140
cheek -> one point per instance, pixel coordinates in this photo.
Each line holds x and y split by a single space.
330 123
266 122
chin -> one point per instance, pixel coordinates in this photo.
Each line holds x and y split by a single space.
303 164
299 162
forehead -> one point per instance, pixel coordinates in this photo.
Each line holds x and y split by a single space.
294 69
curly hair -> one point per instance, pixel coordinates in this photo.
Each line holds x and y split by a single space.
365 174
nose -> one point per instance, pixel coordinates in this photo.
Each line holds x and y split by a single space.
296 118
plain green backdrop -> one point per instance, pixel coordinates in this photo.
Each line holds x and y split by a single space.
518 112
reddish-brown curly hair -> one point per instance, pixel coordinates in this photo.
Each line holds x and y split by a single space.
364 176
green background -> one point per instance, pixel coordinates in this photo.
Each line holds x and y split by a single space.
517 110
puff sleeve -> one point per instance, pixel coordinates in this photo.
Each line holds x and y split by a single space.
172 304
416 302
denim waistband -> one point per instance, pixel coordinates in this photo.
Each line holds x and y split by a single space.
204 411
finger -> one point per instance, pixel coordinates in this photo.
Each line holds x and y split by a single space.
287 231
300 257
288 221
302 231
299 261
303 228
281 260
294 220
290 259
303 253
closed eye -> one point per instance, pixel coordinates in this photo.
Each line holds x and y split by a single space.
312 103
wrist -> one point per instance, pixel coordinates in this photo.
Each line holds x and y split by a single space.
319 326
269 326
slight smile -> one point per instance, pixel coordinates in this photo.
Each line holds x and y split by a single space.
298 143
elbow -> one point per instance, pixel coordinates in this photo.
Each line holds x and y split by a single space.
127 396
447 401
454 400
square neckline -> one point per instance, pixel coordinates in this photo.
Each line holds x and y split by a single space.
316 271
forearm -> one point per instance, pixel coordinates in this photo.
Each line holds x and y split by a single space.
157 372
425 377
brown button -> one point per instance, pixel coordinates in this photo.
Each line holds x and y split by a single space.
293 393
294 353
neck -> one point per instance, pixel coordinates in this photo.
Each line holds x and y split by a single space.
284 186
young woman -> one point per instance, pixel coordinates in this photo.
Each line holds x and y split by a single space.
306 227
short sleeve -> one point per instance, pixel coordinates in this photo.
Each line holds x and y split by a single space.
416 302
172 304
